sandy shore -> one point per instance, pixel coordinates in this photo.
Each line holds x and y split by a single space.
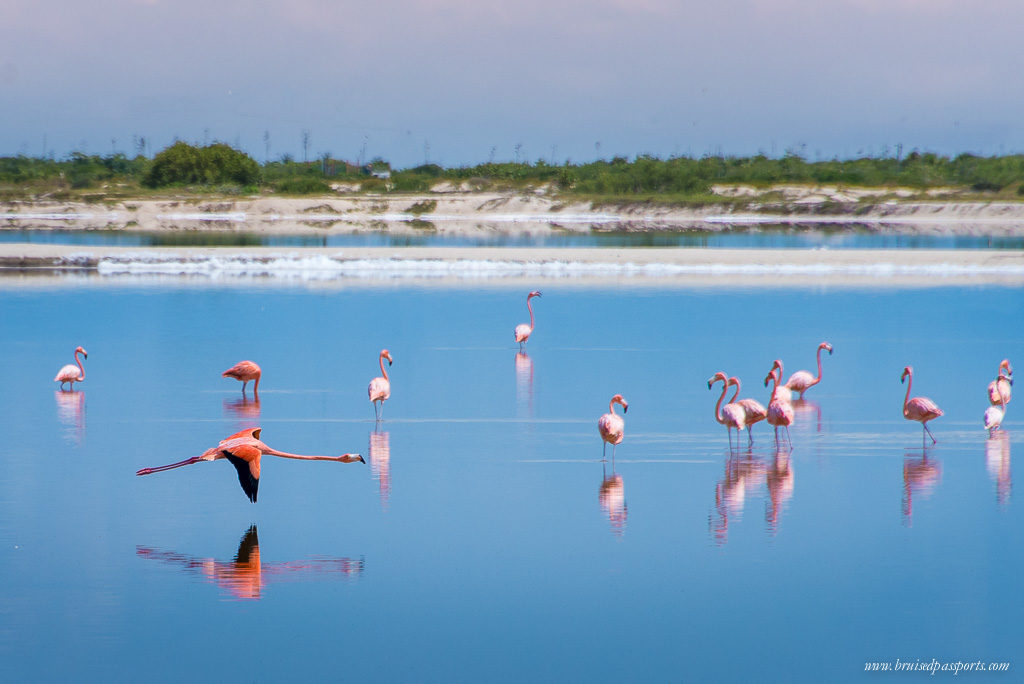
528 212
26 263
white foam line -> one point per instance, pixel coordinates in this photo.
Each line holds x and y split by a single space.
56 217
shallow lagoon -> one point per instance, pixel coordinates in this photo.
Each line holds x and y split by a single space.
485 539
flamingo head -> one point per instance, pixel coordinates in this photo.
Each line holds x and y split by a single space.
716 377
617 399
732 381
777 364
908 370
535 293
1006 364
79 350
351 458
385 354
826 346
773 375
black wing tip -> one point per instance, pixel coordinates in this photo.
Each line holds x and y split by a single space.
250 485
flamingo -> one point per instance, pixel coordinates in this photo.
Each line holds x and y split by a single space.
523 331
784 392
753 411
921 409
245 371
70 373
733 415
380 387
994 414
780 408
997 389
611 425
244 450
802 380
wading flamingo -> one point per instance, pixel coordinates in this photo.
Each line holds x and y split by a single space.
780 408
784 393
245 371
802 380
1000 387
733 415
380 388
71 373
523 331
921 409
994 414
611 425
753 411
244 450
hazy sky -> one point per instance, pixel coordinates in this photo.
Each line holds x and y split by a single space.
457 81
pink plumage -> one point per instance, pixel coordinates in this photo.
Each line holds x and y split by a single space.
72 373
1000 390
802 380
921 409
524 330
245 371
379 389
611 425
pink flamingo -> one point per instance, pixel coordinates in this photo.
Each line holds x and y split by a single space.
784 393
733 415
523 331
380 387
780 408
1000 387
994 414
802 380
753 411
921 409
244 450
245 371
70 373
611 425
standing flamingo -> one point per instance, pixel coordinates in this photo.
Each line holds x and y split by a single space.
921 409
244 449
523 331
380 387
70 373
245 371
611 425
784 392
1000 387
780 408
733 415
753 411
994 414
802 380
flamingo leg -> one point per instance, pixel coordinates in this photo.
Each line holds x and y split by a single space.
925 426
788 440
750 436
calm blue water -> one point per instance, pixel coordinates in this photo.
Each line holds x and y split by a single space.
773 237
485 540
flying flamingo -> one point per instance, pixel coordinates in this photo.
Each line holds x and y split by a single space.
523 331
70 373
1000 387
753 411
784 393
733 415
380 388
245 371
611 425
244 450
994 414
802 380
780 408
921 409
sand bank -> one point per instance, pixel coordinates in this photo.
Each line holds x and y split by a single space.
504 266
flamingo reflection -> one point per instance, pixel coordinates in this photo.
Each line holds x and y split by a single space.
245 409
744 474
779 479
71 413
612 496
806 411
380 463
997 459
920 476
246 575
524 381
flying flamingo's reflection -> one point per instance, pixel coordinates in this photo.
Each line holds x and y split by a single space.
743 473
380 463
997 459
779 479
920 475
71 413
245 409
806 413
246 575
524 381
612 496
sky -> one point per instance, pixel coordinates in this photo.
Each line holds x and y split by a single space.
459 82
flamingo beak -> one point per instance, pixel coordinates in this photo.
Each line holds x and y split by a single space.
625 408
361 459
709 384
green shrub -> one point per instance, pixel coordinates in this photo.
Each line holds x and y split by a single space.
216 164
302 185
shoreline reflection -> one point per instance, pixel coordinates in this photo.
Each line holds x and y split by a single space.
246 576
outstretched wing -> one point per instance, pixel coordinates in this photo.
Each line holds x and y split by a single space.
246 460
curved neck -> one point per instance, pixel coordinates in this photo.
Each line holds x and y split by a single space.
818 379
1002 395
775 386
529 306
910 381
611 406
718 406
383 370
81 375
737 392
